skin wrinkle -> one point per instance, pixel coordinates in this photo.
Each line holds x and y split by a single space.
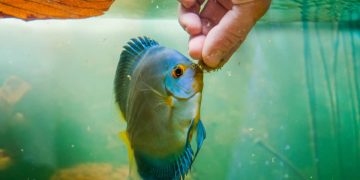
233 36
226 4
231 40
236 37
225 25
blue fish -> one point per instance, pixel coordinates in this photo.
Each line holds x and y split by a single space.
158 91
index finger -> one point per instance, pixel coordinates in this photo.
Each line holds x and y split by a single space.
190 20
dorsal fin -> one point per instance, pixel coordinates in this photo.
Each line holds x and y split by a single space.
128 60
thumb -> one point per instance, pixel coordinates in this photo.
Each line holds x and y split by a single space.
224 38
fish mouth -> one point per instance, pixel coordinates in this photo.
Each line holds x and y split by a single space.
197 84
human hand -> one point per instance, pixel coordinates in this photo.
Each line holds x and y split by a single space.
218 29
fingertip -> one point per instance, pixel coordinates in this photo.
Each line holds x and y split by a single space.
191 23
195 46
216 58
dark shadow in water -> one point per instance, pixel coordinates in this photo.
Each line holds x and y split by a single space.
332 77
355 64
310 90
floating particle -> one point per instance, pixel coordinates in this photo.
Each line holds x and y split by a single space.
228 73
286 176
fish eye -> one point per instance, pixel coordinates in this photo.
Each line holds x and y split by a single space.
178 71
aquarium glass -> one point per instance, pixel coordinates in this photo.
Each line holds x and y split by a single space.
286 106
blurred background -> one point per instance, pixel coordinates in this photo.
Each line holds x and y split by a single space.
286 106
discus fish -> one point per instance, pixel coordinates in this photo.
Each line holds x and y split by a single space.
158 91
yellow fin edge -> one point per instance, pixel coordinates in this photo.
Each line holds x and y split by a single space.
132 163
124 136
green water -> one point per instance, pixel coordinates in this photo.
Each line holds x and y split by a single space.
287 105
